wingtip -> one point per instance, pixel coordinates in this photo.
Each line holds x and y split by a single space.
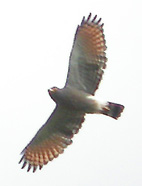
83 19
21 159
29 168
88 18
94 20
102 25
34 169
98 22
24 165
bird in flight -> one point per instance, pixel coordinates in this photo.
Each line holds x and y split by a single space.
76 99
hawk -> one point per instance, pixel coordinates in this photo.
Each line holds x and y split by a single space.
76 99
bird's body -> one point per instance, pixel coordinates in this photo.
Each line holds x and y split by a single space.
75 99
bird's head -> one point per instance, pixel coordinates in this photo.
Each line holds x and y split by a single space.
53 92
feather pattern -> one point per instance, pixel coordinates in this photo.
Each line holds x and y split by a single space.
88 58
53 137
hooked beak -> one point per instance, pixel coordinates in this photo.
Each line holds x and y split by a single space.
51 90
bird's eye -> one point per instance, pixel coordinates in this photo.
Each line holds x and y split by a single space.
54 89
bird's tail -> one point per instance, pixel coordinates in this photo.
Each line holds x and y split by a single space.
113 110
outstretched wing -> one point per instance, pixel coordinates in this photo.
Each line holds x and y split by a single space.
52 138
88 57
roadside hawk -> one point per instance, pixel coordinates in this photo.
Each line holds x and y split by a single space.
86 66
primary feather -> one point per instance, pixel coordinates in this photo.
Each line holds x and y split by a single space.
88 58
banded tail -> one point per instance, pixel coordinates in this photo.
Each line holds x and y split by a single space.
113 110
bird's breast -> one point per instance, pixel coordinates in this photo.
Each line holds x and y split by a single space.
76 99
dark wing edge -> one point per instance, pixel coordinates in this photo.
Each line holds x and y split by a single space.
52 138
90 80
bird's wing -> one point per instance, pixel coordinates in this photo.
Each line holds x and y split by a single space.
52 138
88 58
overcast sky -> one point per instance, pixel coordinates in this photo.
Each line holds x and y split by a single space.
35 43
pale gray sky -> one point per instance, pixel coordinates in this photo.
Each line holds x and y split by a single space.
35 43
